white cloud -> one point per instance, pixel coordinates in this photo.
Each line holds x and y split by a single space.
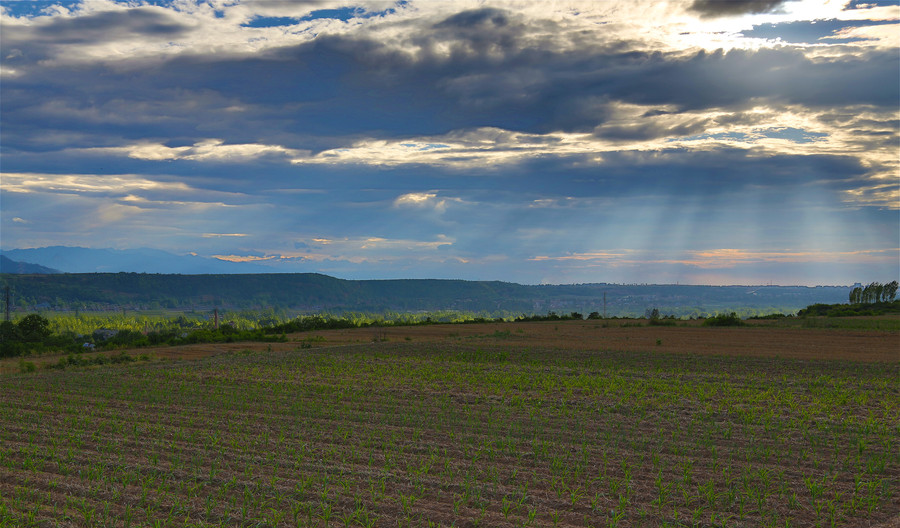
128 190
207 150
883 36
415 199
422 200
357 250
27 182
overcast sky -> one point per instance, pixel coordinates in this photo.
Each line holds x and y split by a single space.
692 141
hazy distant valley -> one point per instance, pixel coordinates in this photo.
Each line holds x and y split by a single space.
313 293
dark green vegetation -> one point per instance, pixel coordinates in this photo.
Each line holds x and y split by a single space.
11 266
874 293
724 320
452 434
30 334
314 293
82 361
33 335
850 310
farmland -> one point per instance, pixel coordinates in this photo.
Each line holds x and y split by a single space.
581 423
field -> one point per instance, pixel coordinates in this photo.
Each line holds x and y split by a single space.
592 423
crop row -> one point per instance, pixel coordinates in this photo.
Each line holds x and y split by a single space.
451 434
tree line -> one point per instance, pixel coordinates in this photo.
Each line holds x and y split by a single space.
873 293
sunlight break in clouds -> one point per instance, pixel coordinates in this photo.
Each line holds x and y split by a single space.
507 139
727 258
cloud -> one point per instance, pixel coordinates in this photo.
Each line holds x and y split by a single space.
206 150
415 199
354 96
725 258
111 25
84 183
484 19
717 8
453 135
426 201
243 258
218 235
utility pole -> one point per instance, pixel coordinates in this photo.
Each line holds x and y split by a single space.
7 303
604 305
216 313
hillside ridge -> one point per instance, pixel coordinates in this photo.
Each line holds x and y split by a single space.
315 292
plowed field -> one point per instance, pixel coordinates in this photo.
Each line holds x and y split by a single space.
529 424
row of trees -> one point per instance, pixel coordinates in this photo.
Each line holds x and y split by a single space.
874 292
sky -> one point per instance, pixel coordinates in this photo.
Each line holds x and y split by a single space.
531 141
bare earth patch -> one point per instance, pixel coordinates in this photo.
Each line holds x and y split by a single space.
755 341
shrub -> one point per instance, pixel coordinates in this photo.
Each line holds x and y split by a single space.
731 319
27 366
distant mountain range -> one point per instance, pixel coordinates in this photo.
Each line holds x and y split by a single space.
11 266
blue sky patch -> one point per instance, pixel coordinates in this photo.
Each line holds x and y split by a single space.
263 22
796 135
861 4
347 13
36 7
808 32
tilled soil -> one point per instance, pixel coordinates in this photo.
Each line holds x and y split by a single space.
514 424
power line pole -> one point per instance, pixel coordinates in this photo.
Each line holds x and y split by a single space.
604 305
7 303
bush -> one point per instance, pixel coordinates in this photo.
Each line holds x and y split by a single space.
843 310
769 316
33 328
731 319
27 366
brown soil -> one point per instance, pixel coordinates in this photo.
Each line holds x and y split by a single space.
274 432
758 340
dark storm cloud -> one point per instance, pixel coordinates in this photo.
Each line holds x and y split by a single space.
27 45
716 8
328 92
110 25
678 173
477 19
649 130
733 79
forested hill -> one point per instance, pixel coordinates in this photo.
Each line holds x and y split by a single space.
310 292
11 266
